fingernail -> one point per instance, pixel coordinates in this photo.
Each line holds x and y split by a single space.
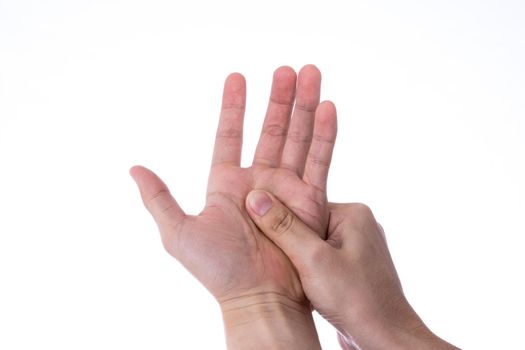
260 202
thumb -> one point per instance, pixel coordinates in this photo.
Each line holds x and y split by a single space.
156 196
284 228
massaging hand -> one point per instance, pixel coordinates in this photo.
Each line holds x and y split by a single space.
221 246
349 277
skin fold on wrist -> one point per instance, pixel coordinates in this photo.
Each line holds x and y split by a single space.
268 320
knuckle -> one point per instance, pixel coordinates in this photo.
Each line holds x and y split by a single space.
160 203
298 137
306 105
283 222
157 200
363 218
158 195
275 130
324 140
229 133
282 102
315 159
234 105
362 209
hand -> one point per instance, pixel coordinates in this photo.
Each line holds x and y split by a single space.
349 277
221 246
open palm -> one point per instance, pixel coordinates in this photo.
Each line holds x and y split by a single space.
221 246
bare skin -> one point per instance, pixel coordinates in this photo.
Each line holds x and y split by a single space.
349 277
221 246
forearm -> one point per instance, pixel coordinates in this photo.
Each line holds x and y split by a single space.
268 322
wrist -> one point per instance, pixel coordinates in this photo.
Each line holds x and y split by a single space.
268 320
419 338
407 331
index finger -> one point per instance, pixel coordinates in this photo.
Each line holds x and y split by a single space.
228 140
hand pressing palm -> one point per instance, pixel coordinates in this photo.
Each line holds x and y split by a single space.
221 246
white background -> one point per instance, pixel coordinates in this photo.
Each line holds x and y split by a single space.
430 97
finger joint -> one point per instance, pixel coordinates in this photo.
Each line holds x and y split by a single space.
283 222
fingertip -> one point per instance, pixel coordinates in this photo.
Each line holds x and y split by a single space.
310 70
326 117
137 171
328 106
236 77
285 72
234 94
308 87
283 85
134 172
